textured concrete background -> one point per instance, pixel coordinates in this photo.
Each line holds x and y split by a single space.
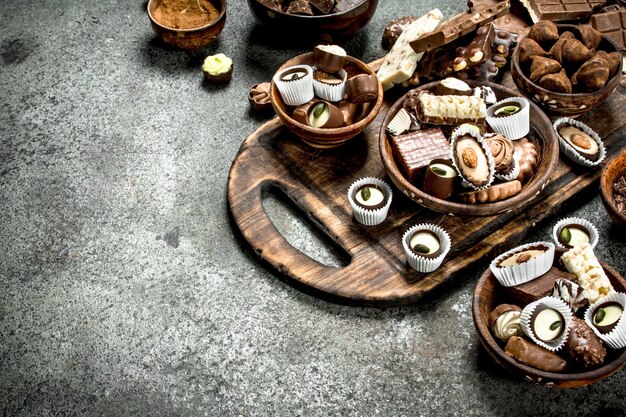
125 291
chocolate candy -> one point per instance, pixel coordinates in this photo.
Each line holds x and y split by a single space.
557 10
526 156
425 243
583 346
324 6
329 58
582 143
413 151
301 112
534 355
370 196
323 114
400 123
539 287
529 48
546 323
345 5
476 51
301 7
504 321
570 292
502 150
440 179
459 25
544 32
450 110
612 24
543 66
259 97
272 4
453 86
394 29
523 256
574 234
472 161
606 316
362 88
493 193
592 75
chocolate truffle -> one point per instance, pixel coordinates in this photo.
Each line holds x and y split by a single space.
582 143
370 196
329 58
425 243
606 316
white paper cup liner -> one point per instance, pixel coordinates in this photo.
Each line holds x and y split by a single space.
420 263
330 92
615 339
569 151
515 126
295 92
366 216
400 123
593 232
470 130
552 302
512 174
517 274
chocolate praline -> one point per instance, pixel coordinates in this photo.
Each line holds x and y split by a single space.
523 256
362 88
574 234
546 323
581 142
606 316
506 109
322 114
370 196
440 178
329 58
425 243
293 74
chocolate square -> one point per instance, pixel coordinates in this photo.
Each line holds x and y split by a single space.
413 151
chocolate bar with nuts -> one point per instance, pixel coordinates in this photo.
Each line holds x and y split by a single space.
476 51
612 24
413 151
460 25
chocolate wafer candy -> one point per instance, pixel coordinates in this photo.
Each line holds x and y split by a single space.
612 24
459 25
415 150
451 110
557 10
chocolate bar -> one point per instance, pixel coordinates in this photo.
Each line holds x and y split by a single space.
459 25
394 29
477 51
556 10
345 5
612 24
415 150
514 21
534 355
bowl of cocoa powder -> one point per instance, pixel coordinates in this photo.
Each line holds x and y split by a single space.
613 188
187 24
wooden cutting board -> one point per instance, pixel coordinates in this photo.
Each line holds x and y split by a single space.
316 181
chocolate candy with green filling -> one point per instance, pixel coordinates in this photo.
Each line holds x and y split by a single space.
506 109
323 114
606 316
440 179
362 88
425 243
582 143
370 197
573 235
294 73
546 323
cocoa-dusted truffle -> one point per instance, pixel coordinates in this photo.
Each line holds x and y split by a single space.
529 48
544 32
542 66
590 37
556 49
574 53
592 75
557 82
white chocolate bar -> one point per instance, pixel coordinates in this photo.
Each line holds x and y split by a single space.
581 261
401 61
451 109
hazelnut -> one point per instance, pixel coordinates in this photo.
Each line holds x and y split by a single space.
581 141
522 257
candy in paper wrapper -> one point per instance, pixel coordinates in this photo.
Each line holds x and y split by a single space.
582 262
571 293
607 320
533 355
583 346
400 123
486 93
573 231
295 84
471 157
523 263
579 142
510 117
370 211
546 321
451 110
327 87
433 235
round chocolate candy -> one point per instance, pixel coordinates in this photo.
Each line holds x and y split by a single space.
440 179
329 58
606 316
322 114
582 143
506 109
547 323
294 73
425 243
362 88
327 78
370 196
574 235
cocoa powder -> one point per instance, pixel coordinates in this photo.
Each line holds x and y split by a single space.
619 194
185 14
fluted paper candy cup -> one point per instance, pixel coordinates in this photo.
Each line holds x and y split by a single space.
569 150
421 263
295 92
330 92
514 126
519 273
370 216
616 338
526 321
593 232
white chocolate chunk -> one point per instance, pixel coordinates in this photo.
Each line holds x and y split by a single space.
401 61
581 261
462 108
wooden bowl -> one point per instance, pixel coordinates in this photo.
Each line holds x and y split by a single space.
541 134
614 168
489 293
189 39
318 137
330 28
562 104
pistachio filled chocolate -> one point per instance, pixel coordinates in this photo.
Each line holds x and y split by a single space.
582 143
440 179
323 114
370 196
425 243
506 109
573 235
294 74
546 323
606 316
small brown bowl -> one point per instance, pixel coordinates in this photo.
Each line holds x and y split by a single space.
326 138
614 169
189 39
563 104
326 28
541 134
489 293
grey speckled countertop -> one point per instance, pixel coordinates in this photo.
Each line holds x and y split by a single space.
125 291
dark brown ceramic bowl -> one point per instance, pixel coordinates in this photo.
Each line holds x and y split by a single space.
326 138
614 168
489 293
541 134
189 39
324 28
562 104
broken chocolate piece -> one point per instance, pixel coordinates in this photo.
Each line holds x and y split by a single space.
394 29
415 150
324 6
478 50
272 5
534 355
345 5
612 24
301 7
559 10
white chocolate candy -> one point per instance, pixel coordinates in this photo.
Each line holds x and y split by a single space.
582 262
376 197
507 325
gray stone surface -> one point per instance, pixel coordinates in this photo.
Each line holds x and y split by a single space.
125 291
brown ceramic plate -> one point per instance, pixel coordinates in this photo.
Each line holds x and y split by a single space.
614 168
489 293
541 134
